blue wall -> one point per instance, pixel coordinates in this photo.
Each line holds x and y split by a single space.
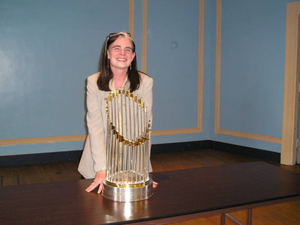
252 71
48 49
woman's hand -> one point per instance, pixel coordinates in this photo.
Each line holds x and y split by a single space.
99 178
154 184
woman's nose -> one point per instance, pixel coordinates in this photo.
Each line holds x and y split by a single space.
122 51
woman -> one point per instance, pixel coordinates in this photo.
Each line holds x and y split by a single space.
118 69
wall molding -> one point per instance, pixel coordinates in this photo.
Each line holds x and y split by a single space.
41 140
291 81
144 37
218 130
250 136
199 127
131 18
200 66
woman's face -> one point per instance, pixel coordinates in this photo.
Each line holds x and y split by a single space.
120 53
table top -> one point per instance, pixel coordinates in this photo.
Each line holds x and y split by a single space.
179 193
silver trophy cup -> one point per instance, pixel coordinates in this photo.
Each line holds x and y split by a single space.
127 148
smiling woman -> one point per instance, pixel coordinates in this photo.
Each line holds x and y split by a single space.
120 55
117 72
117 61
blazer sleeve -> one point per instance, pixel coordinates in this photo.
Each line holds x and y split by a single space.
147 97
95 125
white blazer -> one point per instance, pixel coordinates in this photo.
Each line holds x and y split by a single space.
93 158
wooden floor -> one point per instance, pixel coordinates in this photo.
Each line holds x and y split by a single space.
286 213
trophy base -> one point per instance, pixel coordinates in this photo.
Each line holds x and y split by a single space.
127 194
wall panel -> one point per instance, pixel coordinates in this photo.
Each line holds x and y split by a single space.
172 60
47 50
250 73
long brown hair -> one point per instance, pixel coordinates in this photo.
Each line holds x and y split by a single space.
105 72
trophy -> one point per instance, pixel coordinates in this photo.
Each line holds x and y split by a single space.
127 148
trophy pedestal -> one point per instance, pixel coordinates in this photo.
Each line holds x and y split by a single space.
127 194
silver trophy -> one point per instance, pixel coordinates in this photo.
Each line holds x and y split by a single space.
127 148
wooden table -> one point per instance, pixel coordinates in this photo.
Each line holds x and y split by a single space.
181 195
